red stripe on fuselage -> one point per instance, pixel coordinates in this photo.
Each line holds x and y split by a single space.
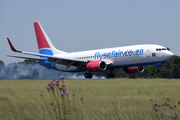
41 39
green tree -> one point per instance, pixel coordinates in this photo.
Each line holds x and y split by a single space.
29 62
2 65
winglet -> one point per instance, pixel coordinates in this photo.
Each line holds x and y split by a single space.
12 47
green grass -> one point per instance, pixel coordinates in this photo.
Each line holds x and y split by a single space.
121 99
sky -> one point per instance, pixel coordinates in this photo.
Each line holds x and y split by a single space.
78 25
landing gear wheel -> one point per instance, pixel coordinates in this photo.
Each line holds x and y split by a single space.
88 75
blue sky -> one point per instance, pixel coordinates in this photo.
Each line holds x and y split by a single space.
78 25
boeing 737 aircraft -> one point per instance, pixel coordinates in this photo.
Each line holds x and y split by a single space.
131 58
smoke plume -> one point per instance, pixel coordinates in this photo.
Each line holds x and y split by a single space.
36 71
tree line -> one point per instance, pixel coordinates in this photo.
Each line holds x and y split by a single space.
170 69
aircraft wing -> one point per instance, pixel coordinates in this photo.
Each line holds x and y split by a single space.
54 59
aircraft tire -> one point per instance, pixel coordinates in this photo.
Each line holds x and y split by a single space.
88 75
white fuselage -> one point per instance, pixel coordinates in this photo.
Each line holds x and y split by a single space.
128 56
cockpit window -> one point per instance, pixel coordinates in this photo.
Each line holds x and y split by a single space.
159 49
168 49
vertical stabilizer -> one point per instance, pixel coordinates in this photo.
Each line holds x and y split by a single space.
45 45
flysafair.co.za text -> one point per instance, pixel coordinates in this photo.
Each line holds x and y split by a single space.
119 53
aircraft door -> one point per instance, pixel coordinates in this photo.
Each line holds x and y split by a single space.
148 52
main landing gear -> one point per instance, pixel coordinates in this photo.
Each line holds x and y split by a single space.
88 75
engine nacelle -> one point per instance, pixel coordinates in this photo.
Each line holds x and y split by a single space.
97 65
137 69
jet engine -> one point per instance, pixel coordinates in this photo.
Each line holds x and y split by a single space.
97 65
137 69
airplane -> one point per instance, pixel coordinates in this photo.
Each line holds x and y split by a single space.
131 58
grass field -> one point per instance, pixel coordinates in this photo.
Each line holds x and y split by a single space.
114 99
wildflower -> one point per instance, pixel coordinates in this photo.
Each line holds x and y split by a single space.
73 94
175 106
62 94
69 100
47 87
57 81
151 99
51 103
64 89
60 88
81 98
167 99
63 86
67 92
52 87
171 107
62 78
50 83
54 83
155 105
179 102
41 94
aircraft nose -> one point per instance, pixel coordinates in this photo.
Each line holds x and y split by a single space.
170 54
